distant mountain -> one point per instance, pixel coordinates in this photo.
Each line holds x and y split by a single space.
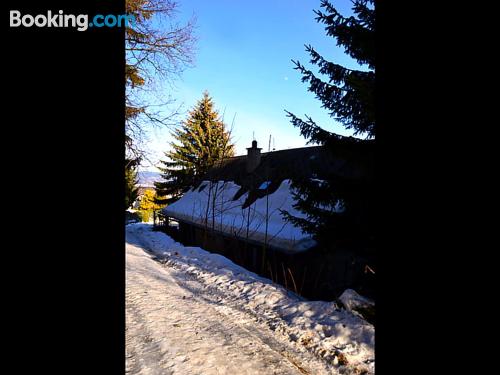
147 178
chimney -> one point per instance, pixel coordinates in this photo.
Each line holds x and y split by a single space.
253 157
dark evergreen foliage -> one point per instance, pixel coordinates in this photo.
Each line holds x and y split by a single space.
348 96
131 189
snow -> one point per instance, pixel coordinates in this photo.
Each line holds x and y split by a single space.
229 216
264 185
200 309
318 181
352 300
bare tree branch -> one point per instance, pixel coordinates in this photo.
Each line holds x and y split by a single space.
157 50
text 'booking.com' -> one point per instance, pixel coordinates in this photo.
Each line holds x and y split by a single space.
81 22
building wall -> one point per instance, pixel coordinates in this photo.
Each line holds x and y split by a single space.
314 274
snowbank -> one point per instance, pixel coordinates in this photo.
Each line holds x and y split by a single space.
340 337
227 215
353 300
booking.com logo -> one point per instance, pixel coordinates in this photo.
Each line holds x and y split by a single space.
80 21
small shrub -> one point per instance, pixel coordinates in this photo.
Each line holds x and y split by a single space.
145 216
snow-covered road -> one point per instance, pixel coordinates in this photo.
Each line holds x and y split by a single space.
180 323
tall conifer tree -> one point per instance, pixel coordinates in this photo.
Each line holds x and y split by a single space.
131 189
337 204
200 142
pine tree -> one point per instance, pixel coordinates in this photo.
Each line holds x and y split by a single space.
131 189
348 95
200 142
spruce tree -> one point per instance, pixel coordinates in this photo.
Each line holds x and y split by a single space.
200 142
334 204
131 189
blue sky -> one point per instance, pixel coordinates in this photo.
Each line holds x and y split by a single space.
243 58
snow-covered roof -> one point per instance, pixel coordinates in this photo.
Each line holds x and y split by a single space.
252 222
240 193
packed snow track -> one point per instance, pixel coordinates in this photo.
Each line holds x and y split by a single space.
178 323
